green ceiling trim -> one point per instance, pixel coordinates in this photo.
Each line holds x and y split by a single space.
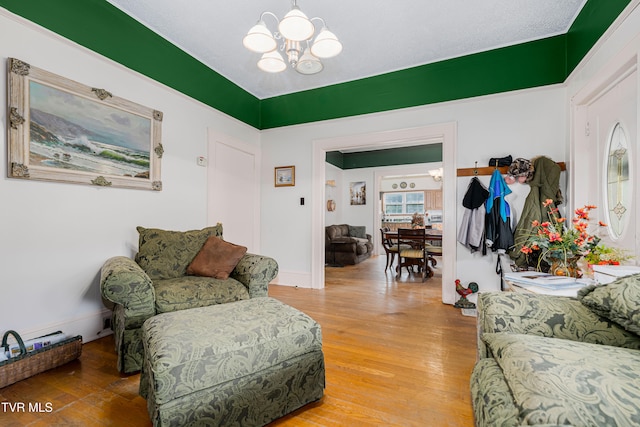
521 66
427 153
527 65
336 158
105 29
591 23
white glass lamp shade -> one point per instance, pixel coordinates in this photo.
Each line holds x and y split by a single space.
259 39
296 26
436 174
272 62
309 64
326 45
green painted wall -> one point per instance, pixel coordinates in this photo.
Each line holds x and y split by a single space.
593 20
335 158
428 153
500 70
103 28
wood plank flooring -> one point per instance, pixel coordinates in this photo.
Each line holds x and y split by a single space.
395 356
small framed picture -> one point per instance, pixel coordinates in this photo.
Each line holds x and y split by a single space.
285 176
358 193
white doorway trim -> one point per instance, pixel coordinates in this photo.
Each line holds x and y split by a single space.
446 132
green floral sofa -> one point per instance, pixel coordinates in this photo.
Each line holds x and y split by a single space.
549 361
156 282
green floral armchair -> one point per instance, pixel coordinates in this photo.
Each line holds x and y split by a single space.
549 360
156 282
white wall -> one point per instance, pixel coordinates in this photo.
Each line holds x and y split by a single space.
425 182
524 124
335 193
55 237
359 214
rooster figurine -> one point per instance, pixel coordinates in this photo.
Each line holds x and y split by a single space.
463 302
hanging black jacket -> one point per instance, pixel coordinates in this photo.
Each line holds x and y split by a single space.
498 230
498 219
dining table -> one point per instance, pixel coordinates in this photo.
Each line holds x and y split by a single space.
431 235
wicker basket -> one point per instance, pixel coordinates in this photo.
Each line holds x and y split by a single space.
28 364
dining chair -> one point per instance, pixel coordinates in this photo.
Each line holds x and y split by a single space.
415 254
433 250
389 248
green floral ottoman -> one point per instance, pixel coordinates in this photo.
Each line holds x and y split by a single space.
244 363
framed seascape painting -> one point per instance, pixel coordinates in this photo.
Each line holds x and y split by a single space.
61 130
285 176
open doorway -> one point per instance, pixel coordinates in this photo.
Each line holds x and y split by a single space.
409 200
446 133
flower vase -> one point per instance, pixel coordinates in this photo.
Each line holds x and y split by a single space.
565 267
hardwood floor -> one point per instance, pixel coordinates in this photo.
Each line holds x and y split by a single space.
395 356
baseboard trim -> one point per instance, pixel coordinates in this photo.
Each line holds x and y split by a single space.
298 279
90 327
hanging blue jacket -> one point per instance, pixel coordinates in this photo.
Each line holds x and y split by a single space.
498 188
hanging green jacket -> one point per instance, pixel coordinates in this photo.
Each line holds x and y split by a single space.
544 185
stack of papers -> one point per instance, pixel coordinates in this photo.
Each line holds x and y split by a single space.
546 283
542 279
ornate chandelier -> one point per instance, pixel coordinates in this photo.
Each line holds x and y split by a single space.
294 34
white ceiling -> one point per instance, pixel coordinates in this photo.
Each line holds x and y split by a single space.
378 36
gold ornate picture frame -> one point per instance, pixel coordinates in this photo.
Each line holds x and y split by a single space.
61 130
285 176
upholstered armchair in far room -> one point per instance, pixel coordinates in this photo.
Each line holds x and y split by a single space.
176 270
347 244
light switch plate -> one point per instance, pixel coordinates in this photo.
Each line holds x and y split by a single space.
201 160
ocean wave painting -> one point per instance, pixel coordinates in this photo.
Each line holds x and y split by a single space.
75 133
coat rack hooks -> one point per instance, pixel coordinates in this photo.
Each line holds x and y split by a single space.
475 171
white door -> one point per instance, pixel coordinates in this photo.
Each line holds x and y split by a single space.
233 191
611 129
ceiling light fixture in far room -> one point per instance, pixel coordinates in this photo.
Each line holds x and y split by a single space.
436 174
294 37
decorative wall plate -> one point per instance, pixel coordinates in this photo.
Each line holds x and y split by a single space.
403 184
